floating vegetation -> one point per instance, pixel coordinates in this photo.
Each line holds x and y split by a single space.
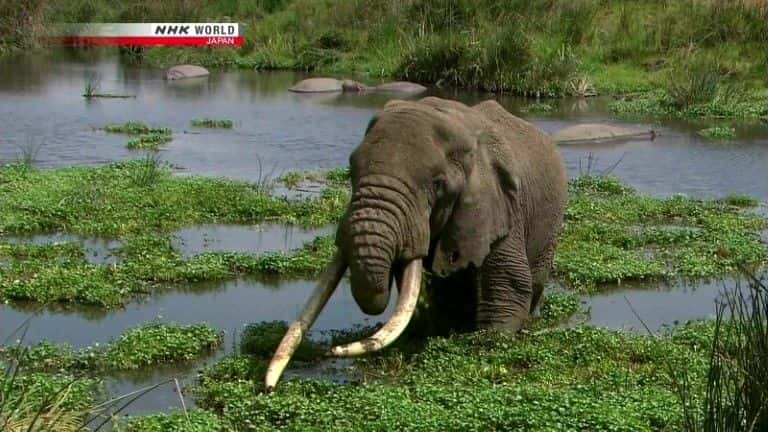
611 234
144 345
151 141
212 123
580 378
610 230
135 128
718 132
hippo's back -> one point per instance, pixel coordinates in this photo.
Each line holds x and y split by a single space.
186 71
317 85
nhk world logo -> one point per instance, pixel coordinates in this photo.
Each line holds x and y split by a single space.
190 34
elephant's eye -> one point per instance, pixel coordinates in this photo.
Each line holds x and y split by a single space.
438 184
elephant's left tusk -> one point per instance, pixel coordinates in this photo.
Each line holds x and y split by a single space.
317 300
389 332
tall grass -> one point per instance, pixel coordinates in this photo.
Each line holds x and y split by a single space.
541 48
736 388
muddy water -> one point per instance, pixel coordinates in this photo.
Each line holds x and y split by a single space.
41 109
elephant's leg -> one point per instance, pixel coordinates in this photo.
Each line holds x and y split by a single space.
505 292
540 271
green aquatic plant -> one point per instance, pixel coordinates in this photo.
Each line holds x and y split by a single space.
718 132
195 420
155 343
135 128
137 347
581 378
151 141
557 306
59 200
212 123
740 200
613 234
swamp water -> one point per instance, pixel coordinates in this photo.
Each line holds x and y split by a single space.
274 131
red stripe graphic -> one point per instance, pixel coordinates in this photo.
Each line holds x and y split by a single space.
151 40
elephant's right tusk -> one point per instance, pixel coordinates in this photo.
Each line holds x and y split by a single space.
317 300
406 305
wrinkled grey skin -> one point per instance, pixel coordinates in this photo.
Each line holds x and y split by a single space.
326 85
185 71
595 132
476 192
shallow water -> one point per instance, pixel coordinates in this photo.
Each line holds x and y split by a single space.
41 106
97 251
238 238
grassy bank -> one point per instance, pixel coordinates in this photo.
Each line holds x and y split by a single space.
612 234
550 48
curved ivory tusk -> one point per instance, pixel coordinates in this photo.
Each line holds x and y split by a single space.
406 305
317 300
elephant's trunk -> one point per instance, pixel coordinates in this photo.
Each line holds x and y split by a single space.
380 230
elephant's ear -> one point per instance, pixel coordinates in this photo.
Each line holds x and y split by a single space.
481 215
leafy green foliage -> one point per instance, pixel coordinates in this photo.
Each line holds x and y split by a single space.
569 379
159 343
212 123
151 141
111 201
178 421
558 306
718 132
612 234
137 347
135 128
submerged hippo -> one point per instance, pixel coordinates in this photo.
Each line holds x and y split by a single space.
327 85
400 87
594 132
185 71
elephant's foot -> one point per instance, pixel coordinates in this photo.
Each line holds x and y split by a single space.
511 324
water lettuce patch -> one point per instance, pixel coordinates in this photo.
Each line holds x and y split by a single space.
611 234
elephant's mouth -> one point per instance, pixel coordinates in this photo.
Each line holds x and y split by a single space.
409 286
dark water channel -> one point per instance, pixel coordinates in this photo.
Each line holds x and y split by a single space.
41 108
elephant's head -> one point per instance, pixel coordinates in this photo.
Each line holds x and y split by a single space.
414 182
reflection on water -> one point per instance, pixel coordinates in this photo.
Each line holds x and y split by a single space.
656 305
243 238
97 251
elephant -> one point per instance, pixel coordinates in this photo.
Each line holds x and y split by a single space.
594 132
327 85
473 194
185 71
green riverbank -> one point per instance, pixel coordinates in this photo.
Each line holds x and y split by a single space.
680 58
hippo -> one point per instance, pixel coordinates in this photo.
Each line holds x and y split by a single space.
595 132
185 71
400 87
327 85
